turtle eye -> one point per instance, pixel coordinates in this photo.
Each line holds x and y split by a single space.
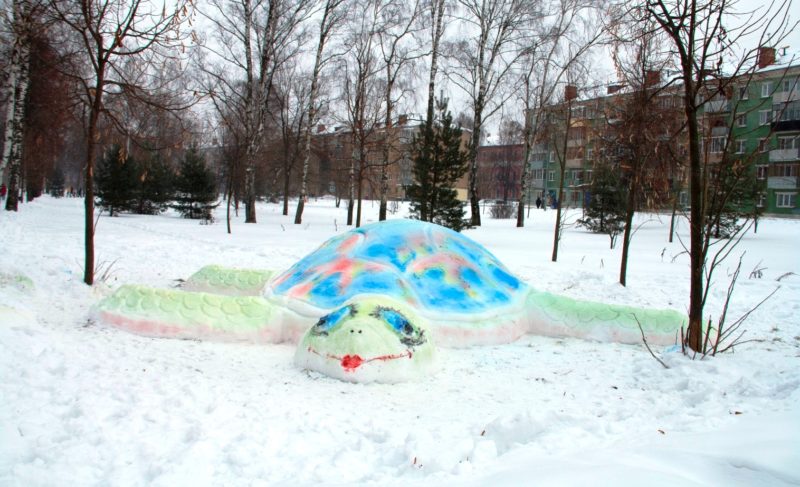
410 335
397 321
332 320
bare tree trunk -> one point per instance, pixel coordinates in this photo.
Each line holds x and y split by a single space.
475 141
91 157
352 190
437 14
18 83
630 207
329 19
673 216
563 170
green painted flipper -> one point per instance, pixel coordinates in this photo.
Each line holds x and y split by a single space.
555 315
229 281
170 313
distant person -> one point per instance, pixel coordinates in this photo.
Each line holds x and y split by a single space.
3 191
538 202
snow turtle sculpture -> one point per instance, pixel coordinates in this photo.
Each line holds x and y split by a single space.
369 304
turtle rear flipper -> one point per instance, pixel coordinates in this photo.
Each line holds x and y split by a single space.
228 281
555 315
179 314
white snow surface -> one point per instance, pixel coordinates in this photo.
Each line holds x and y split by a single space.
82 404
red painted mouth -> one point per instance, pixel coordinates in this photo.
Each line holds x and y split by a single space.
351 362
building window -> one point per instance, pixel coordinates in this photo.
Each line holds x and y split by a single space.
785 200
589 154
787 143
766 89
764 116
789 84
684 198
741 146
761 172
741 120
762 200
718 144
763 145
576 175
785 170
551 175
744 93
589 173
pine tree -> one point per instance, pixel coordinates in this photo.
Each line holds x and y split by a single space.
195 188
116 181
605 211
155 188
439 162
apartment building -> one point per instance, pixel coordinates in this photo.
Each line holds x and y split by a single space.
756 120
336 148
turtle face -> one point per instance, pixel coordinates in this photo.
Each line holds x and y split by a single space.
368 340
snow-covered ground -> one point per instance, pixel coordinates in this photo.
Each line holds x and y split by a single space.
81 404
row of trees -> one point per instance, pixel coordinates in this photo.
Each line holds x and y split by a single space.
149 186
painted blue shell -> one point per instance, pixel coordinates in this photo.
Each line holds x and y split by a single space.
430 267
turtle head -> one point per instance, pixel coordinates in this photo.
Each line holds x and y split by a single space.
373 339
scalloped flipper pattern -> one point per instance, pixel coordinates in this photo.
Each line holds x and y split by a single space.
228 281
555 315
179 314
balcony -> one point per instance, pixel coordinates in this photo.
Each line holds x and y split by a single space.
574 163
782 182
779 155
717 106
786 96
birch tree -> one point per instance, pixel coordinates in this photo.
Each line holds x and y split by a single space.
21 26
398 53
332 14
483 61
290 117
252 40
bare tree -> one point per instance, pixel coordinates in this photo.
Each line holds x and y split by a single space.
255 38
483 61
106 33
561 38
642 124
704 39
362 98
292 99
398 52
333 13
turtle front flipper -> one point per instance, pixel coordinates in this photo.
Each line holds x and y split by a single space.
555 315
228 281
179 314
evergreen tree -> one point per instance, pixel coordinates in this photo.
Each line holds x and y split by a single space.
155 188
195 188
439 162
116 181
733 194
55 185
605 210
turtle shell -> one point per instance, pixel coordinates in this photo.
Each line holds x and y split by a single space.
432 268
